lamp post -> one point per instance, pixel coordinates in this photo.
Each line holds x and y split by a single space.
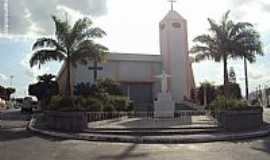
11 80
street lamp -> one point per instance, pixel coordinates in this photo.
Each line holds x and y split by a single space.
11 80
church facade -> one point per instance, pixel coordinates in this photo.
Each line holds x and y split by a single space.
136 72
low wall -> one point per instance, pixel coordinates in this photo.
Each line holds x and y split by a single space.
67 121
240 120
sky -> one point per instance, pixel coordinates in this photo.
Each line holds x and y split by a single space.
131 27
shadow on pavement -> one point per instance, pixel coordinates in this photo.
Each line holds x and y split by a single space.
127 153
22 133
15 115
264 147
12 134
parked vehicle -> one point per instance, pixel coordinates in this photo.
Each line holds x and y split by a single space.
26 104
2 104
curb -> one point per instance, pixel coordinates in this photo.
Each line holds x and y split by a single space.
175 139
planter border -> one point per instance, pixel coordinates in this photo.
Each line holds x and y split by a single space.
66 121
241 119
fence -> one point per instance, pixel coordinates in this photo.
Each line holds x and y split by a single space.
178 115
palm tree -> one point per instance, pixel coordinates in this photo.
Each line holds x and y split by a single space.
220 44
98 53
46 78
71 44
249 46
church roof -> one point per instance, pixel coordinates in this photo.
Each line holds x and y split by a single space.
172 15
134 57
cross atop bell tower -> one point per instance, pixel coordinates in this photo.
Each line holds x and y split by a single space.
172 2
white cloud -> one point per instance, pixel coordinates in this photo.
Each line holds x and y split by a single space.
3 77
33 16
34 72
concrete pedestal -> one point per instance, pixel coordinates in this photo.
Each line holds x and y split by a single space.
164 107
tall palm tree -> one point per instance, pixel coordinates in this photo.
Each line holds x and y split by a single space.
249 45
220 43
71 44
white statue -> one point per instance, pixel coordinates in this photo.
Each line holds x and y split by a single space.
164 81
164 106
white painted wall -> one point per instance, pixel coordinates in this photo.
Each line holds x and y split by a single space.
138 70
124 68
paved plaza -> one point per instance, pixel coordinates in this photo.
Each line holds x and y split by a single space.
18 143
142 123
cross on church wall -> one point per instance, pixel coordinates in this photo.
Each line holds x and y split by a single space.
95 70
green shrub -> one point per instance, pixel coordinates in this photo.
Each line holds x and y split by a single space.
210 93
91 104
99 103
120 103
130 107
109 86
63 103
108 108
221 103
233 89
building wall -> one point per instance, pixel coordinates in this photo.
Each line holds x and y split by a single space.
120 71
126 71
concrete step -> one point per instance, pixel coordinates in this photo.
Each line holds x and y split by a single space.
180 107
154 131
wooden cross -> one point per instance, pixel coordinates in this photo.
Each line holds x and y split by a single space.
172 1
95 69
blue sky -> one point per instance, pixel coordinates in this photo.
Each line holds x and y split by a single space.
15 62
131 26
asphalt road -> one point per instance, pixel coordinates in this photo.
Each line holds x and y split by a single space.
18 144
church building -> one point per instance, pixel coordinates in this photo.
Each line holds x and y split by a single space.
137 73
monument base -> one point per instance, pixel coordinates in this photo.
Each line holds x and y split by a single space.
164 107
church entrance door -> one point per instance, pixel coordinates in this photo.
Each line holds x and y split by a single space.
141 94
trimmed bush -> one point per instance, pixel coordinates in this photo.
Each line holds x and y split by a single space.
103 86
65 104
234 90
101 103
221 103
109 86
120 103
91 104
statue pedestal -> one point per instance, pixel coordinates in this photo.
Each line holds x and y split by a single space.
164 107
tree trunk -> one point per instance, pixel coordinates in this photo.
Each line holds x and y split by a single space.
226 80
246 77
68 82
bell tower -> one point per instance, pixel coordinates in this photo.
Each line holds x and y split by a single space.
174 51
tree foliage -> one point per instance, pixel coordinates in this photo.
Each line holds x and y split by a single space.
72 44
103 86
6 92
226 40
45 87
